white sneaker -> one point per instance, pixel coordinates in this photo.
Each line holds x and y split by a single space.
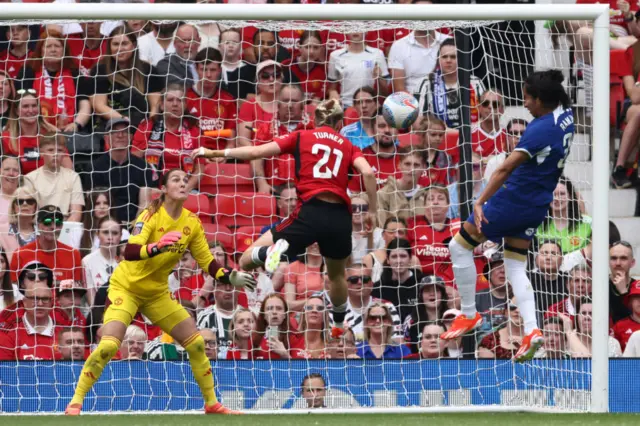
274 254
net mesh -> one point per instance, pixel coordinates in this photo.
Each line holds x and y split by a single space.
130 103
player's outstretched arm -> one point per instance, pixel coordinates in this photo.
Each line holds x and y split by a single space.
242 153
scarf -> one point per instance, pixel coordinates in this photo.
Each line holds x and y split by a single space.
440 97
57 96
156 147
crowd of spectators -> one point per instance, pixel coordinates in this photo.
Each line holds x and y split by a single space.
93 114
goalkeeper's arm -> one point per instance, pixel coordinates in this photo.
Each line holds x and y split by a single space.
242 153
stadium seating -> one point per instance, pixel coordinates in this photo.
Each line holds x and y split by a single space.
244 209
226 179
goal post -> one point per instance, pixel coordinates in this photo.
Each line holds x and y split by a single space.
314 16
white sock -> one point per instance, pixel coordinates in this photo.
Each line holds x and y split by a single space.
523 291
464 271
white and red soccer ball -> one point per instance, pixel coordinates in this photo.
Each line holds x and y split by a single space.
400 110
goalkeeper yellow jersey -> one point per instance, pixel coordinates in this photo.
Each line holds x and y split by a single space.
151 276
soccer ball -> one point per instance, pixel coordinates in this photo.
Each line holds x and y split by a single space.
400 110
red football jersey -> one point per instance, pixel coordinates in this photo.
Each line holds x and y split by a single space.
325 160
623 329
23 343
61 318
281 169
84 57
431 247
65 261
12 64
312 82
28 151
215 113
487 144
383 167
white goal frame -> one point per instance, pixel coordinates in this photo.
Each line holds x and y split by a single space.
597 13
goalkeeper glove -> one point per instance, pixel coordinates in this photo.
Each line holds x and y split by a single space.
167 240
236 278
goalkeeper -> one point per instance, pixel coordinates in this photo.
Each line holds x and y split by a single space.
140 283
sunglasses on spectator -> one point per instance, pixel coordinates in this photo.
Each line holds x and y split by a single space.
26 91
42 300
28 201
270 75
31 276
376 318
355 280
50 221
317 308
359 208
493 104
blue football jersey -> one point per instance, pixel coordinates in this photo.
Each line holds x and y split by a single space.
547 142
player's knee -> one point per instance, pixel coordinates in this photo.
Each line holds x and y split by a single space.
461 255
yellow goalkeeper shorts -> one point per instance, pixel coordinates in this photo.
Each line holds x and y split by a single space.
162 309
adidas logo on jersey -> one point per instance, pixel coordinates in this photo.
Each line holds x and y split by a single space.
424 237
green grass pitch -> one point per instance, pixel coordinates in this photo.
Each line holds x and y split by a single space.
480 419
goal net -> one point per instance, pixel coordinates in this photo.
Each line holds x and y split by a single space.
126 100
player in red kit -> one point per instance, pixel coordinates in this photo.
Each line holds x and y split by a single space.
323 214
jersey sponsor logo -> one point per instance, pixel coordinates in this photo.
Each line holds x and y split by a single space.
186 231
137 228
207 124
433 251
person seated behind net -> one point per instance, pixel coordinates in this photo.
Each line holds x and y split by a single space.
9 182
31 335
303 278
9 293
276 327
505 342
69 301
362 132
343 347
431 346
210 343
166 141
133 343
54 184
314 390
53 75
179 67
313 329
378 335
48 250
514 131
365 237
556 336
22 221
309 66
129 177
578 286
242 334
238 76
431 304
122 84
71 344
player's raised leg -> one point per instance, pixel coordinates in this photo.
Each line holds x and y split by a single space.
464 270
515 264
116 320
264 252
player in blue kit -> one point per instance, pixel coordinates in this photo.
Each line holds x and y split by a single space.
514 203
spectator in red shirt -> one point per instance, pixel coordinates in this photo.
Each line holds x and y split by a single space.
309 66
54 76
440 166
303 278
314 327
8 292
26 280
624 328
214 107
269 77
488 137
242 331
32 335
276 328
87 48
382 155
579 286
290 117
67 311
64 260
25 124
430 233
16 55
167 140
71 344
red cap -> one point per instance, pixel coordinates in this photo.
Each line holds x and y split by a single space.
635 289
